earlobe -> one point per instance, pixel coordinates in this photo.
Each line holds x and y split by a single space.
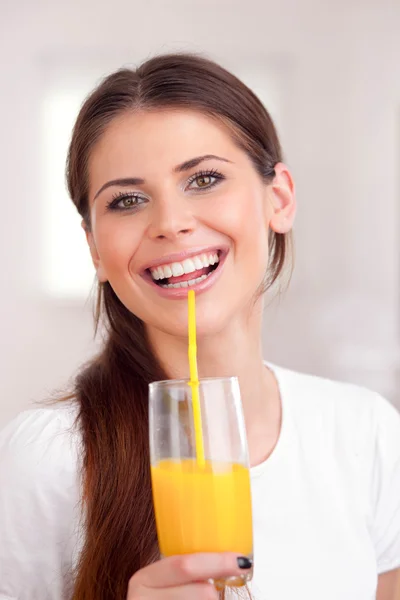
283 200
101 276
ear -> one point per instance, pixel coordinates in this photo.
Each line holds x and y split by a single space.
101 276
283 200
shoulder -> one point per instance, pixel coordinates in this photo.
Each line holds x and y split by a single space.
355 433
327 395
343 409
41 439
40 502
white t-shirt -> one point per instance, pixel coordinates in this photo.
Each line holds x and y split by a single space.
326 503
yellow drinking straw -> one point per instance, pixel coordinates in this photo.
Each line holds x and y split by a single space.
194 379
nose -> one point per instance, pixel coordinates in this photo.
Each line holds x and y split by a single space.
171 219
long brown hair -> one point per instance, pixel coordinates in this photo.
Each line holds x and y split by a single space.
120 533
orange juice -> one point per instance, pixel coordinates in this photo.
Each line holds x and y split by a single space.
202 508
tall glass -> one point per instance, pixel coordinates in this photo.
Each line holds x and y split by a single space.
201 506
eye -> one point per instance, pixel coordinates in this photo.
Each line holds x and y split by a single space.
204 180
125 201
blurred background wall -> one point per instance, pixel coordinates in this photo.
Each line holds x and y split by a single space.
328 70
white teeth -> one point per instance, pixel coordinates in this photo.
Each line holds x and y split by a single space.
213 259
189 265
167 271
177 269
204 260
184 284
155 273
198 262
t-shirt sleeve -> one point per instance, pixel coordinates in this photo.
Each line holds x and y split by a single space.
386 487
38 506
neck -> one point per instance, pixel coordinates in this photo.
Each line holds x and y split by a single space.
234 351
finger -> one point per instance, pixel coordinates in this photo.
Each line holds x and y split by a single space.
188 568
194 591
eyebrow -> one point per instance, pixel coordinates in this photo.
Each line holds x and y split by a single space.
124 182
185 166
193 162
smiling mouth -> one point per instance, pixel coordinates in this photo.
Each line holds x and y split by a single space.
186 273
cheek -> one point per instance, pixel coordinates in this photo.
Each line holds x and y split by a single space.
241 216
116 241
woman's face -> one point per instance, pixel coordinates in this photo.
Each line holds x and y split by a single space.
175 204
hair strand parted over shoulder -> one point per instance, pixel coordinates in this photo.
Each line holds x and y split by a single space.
112 392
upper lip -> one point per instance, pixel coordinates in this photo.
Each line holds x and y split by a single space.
180 256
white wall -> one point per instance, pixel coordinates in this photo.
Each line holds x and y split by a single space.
337 69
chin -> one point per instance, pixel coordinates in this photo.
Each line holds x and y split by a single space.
207 326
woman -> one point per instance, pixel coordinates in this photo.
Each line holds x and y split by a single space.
179 160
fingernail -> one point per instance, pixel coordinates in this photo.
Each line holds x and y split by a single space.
244 562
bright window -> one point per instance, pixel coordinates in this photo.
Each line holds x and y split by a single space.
68 270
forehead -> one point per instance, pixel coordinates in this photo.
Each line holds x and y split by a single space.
147 141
